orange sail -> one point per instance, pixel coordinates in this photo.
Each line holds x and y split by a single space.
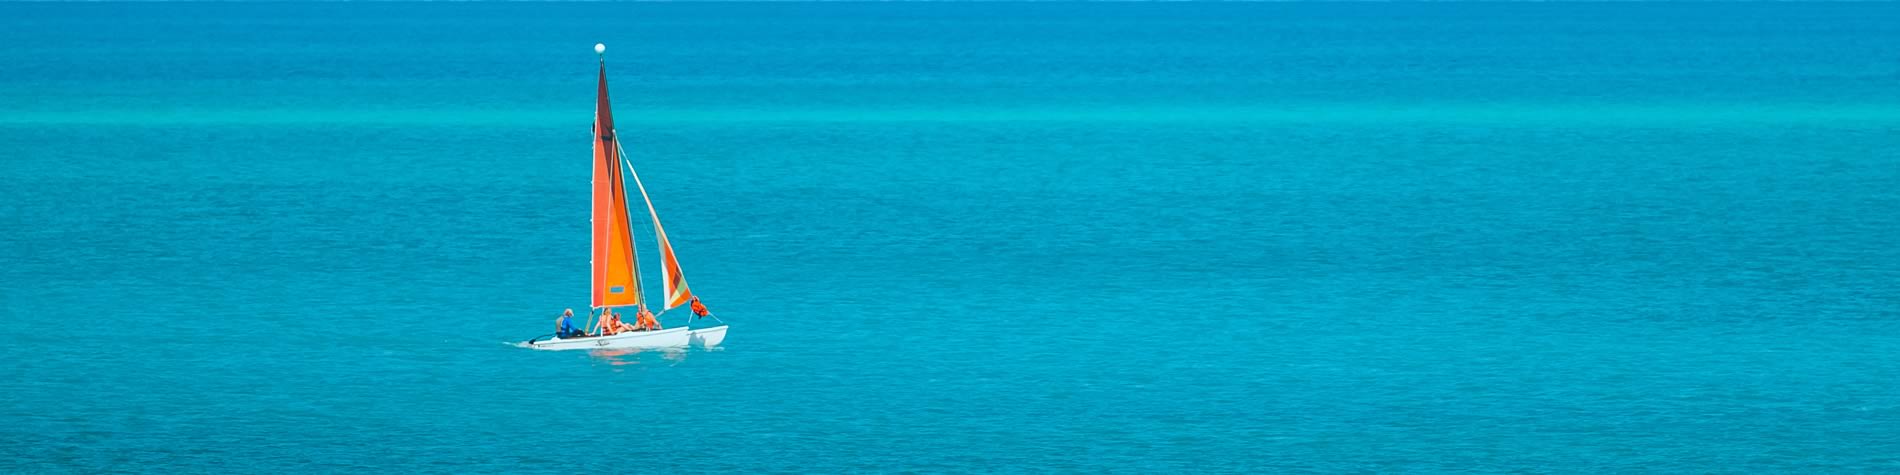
673 286
616 274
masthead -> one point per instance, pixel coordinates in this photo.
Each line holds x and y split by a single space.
600 48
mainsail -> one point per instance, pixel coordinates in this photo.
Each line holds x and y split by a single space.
616 274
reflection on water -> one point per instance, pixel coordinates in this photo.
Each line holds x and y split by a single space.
634 356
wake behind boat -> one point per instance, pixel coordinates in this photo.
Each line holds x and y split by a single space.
616 269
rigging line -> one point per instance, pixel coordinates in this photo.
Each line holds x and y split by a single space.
668 274
638 283
621 151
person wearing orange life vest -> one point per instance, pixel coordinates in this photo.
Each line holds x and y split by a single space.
610 323
699 309
644 320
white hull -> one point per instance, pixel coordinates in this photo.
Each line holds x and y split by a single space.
668 338
709 337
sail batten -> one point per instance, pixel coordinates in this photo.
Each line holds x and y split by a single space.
616 275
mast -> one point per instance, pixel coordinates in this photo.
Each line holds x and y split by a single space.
593 206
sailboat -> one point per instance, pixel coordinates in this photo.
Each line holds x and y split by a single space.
616 279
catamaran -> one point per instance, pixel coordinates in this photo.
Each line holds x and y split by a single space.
616 268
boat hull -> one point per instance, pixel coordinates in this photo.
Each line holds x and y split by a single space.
668 338
709 337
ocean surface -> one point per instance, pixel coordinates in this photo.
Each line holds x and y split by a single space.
950 237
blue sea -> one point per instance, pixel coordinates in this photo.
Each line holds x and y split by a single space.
958 237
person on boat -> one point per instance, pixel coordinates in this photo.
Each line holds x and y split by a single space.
610 323
644 321
635 322
699 309
564 326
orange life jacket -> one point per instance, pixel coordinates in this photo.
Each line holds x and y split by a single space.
610 324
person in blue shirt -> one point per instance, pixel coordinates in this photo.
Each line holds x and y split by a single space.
564 326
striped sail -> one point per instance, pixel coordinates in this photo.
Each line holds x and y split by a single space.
676 292
673 283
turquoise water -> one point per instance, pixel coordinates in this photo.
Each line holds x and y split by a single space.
958 237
